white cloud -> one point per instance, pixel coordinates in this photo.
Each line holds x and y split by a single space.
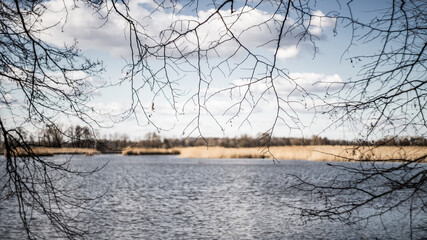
85 26
311 82
319 22
288 52
317 82
255 28
109 108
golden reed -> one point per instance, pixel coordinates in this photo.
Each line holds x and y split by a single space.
312 153
149 151
46 151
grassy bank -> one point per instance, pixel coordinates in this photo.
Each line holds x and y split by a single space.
312 153
46 151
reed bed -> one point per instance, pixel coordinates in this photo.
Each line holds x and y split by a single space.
47 151
220 152
312 153
150 151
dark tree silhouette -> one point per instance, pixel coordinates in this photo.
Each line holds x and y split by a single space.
39 84
387 95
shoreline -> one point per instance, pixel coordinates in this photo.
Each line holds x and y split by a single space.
310 153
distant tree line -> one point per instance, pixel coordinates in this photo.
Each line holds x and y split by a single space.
57 136
84 137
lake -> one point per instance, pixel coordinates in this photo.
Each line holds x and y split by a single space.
167 197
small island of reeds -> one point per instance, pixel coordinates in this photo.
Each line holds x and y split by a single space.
150 151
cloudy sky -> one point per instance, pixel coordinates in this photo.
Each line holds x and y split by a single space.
225 111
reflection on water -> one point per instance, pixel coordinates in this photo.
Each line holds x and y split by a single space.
165 197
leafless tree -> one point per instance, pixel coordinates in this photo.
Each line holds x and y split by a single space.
388 93
386 97
39 84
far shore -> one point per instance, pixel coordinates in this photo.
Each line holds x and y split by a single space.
311 152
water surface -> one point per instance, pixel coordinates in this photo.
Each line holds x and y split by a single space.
166 197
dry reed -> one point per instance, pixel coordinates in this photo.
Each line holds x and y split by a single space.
150 151
312 153
46 151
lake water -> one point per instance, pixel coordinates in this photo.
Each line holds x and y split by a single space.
166 197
